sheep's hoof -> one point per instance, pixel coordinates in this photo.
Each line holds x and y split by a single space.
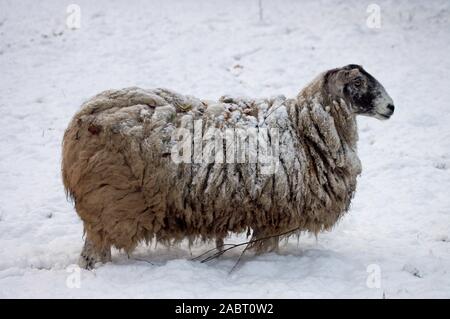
86 262
90 256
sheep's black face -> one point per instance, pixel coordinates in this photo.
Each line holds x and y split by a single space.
362 91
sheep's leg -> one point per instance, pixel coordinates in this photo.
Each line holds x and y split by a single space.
90 255
219 244
263 245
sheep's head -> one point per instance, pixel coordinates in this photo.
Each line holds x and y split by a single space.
361 91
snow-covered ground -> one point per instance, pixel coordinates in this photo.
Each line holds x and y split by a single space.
394 242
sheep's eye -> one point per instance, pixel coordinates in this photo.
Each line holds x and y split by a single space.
357 83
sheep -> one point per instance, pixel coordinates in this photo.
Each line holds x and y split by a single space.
134 177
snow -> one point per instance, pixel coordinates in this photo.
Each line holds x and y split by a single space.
394 242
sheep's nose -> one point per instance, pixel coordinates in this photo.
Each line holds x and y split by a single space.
391 108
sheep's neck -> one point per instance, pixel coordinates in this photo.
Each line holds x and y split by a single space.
327 130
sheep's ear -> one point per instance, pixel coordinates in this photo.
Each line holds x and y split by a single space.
347 74
353 73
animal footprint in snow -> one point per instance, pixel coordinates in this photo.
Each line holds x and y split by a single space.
236 70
